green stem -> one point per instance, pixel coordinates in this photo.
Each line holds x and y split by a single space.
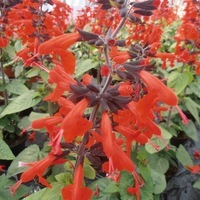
3 78
169 116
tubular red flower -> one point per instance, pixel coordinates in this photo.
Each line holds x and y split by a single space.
77 191
107 134
194 169
74 124
165 94
62 41
36 169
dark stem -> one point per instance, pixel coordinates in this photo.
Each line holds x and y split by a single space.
120 25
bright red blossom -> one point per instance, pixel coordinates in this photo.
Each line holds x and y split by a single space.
77 191
74 124
35 169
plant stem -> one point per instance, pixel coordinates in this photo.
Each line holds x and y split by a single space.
120 25
169 116
3 78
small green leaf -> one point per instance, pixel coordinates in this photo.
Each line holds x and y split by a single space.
83 66
190 130
102 185
33 72
197 184
165 133
30 154
36 195
160 142
159 182
24 123
195 87
17 87
65 178
89 172
193 108
126 181
5 152
111 187
5 194
178 81
18 70
22 102
183 156
158 163
162 165
146 194
34 115
53 193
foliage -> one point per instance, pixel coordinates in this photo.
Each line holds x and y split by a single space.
112 90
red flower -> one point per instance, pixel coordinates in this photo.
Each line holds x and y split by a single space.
2 168
196 154
105 71
63 41
119 57
49 123
58 46
62 81
194 169
35 169
107 134
125 89
77 191
154 85
74 124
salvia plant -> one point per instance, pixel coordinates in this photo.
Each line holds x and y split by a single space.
116 82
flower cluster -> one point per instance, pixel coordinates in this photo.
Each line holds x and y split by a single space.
101 118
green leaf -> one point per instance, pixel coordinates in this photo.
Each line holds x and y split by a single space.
36 195
104 193
33 72
126 181
23 102
5 152
89 172
178 81
158 163
197 184
11 51
193 108
17 87
146 195
5 184
65 178
53 193
111 187
29 154
183 156
18 70
190 130
24 123
165 133
83 66
159 182
160 142
195 87
34 115
162 165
